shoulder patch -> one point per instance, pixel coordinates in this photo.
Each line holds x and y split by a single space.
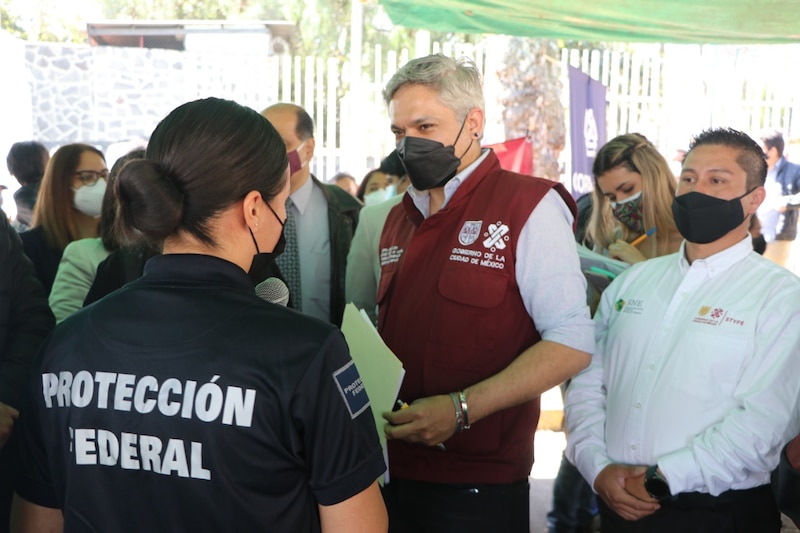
352 389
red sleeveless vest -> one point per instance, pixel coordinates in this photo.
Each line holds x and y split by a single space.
450 309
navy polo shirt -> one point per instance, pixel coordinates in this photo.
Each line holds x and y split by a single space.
183 402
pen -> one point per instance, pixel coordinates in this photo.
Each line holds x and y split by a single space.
403 405
604 272
638 240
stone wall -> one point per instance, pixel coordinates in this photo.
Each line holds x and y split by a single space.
104 95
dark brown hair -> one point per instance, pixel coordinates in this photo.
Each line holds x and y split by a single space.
201 159
108 211
26 161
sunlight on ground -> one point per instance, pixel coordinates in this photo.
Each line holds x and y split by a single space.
547 449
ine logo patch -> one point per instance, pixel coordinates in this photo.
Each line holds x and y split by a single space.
352 389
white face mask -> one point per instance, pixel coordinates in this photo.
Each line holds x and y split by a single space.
89 198
630 198
379 196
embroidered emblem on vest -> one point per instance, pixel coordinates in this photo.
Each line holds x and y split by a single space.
390 255
496 237
470 232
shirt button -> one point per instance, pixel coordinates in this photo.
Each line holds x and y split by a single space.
633 447
651 366
638 405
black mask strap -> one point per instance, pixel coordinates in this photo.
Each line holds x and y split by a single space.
459 136
254 238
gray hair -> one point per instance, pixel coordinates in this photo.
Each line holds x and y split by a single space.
457 81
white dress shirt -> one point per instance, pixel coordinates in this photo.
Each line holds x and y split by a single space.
548 271
696 369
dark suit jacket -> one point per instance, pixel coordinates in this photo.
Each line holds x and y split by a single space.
789 178
343 212
25 317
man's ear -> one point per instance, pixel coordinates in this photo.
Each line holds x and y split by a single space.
755 199
308 148
475 122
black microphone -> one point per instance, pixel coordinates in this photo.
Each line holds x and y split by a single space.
274 291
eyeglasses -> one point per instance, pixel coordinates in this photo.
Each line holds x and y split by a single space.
90 177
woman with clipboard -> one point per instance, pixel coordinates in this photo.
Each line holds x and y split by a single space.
632 201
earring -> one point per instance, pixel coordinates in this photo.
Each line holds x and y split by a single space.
476 135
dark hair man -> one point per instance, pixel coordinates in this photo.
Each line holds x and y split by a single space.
778 213
692 390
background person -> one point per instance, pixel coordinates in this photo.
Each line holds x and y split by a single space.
25 320
322 219
26 161
67 208
633 193
692 390
79 262
778 213
346 182
376 187
247 413
363 259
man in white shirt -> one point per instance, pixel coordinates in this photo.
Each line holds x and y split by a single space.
693 390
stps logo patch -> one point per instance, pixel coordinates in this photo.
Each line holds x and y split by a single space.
352 389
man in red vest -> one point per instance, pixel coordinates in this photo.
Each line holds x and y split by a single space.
482 298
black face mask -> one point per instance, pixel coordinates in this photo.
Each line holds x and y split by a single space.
429 164
263 262
702 219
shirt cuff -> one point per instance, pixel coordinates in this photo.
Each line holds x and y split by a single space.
576 333
681 471
590 462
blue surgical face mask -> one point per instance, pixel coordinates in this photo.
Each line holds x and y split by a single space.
381 195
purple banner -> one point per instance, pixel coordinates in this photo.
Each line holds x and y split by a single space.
587 128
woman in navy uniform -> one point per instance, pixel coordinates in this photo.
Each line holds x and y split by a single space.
183 402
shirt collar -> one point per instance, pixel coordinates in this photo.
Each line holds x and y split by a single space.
302 196
720 261
421 199
195 268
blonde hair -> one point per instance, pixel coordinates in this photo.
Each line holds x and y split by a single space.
634 152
